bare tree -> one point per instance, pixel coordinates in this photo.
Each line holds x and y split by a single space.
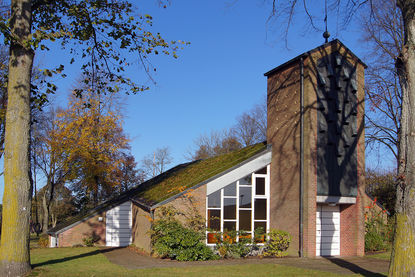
251 126
129 175
216 143
48 161
157 162
383 32
259 112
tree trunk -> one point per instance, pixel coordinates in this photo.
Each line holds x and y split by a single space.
45 219
54 219
403 252
14 250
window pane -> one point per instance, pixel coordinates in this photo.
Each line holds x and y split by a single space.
214 220
229 208
245 196
260 231
230 190
245 237
244 220
229 226
214 199
260 208
262 171
246 181
260 186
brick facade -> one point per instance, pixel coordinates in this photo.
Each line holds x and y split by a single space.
87 228
190 204
283 95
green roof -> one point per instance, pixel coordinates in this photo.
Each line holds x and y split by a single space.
170 183
196 173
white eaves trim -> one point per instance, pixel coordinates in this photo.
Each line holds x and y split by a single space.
239 172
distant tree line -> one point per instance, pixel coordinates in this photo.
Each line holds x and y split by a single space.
250 128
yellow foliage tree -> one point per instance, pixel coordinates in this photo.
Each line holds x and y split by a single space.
91 137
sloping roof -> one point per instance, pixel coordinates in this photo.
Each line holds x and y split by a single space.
335 41
170 183
196 173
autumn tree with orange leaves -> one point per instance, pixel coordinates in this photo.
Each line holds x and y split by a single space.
91 137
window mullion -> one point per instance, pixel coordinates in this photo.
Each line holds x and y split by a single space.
222 200
268 193
237 211
252 204
207 220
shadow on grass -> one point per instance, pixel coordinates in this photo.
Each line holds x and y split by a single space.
354 267
61 260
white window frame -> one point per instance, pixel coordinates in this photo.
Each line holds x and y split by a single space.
252 209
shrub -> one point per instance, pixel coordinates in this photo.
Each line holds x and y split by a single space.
91 240
228 246
277 243
382 186
43 241
378 233
171 239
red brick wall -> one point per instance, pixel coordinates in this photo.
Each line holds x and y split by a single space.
82 230
284 134
350 240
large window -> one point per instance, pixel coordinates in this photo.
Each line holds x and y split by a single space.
241 206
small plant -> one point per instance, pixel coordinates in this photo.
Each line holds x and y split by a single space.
171 239
91 240
259 235
233 244
43 241
277 243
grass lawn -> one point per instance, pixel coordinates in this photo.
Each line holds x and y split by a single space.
382 256
90 262
33 241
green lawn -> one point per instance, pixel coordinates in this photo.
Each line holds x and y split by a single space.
382 256
90 262
33 241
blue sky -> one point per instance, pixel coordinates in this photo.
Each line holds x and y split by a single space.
215 79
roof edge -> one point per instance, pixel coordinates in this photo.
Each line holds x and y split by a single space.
101 208
141 205
268 149
305 54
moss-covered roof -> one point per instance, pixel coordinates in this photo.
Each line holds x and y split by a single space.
169 183
196 173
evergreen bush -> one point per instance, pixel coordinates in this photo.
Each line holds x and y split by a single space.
277 243
171 239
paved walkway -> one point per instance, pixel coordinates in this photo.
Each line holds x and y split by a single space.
348 265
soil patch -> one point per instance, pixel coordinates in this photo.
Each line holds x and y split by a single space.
344 265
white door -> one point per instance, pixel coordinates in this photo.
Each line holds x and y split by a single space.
328 230
118 225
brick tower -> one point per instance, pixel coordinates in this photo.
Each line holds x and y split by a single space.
316 127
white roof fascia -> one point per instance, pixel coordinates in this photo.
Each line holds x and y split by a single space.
239 172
